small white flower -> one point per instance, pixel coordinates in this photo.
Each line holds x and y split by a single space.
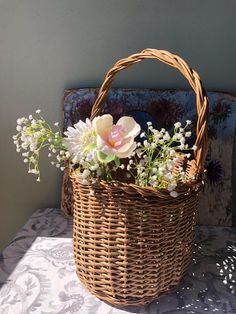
94 167
18 128
38 111
182 176
128 167
56 123
52 162
162 170
182 140
49 155
188 122
168 176
188 155
154 170
34 171
172 153
32 147
58 165
25 160
75 160
99 172
174 194
178 136
33 123
146 144
122 166
85 174
67 155
188 134
166 137
85 182
19 121
62 168
149 123
177 125
142 135
24 145
53 150
30 117
194 147
171 186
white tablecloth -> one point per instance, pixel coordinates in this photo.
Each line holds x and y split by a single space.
37 273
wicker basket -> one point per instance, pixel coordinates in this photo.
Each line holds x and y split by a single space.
132 244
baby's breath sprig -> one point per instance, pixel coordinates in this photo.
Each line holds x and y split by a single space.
35 134
154 160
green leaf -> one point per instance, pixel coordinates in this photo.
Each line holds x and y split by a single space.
105 158
117 161
89 147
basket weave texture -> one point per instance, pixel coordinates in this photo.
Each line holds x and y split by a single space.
132 243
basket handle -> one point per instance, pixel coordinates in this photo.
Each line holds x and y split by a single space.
193 79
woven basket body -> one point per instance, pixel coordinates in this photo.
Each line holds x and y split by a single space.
132 244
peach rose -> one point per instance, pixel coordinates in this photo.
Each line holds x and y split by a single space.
116 139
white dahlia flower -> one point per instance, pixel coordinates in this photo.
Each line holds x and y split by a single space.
80 139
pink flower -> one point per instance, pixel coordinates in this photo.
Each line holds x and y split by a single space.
116 139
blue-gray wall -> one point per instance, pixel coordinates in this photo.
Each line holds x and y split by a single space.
49 45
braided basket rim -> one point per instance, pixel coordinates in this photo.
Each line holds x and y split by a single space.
181 189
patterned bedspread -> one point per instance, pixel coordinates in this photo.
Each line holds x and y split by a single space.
37 273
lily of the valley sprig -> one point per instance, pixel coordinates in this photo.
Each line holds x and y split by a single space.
96 149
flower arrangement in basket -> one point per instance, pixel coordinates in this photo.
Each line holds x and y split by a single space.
135 192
